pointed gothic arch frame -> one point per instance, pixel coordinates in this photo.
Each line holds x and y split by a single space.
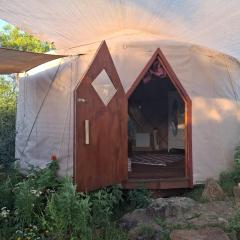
188 109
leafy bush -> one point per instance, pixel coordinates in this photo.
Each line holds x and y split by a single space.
42 206
7 122
233 226
229 179
103 204
196 193
139 198
68 214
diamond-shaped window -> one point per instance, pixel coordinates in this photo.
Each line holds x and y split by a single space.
104 87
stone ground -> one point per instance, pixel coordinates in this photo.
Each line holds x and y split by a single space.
202 220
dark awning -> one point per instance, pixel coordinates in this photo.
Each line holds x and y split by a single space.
15 61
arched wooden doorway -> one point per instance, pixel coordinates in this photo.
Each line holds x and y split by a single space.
152 179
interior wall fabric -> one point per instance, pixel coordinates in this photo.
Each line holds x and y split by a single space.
70 23
14 61
211 79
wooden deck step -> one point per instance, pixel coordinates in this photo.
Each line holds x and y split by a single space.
164 183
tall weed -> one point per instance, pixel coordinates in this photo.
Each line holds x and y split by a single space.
68 213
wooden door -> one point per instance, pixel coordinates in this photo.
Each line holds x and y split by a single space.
100 126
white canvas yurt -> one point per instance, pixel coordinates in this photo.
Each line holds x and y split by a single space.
147 95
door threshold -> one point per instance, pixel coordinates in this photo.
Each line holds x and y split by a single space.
161 183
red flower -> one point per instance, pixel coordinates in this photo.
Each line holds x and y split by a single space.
53 157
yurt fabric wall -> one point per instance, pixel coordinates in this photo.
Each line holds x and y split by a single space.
211 79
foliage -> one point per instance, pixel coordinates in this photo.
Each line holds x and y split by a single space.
229 179
103 204
42 206
233 226
7 122
14 38
139 198
68 214
196 193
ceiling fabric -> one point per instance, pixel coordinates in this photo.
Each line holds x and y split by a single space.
14 61
70 23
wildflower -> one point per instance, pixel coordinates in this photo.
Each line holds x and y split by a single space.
4 212
19 232
50 190
53 157
34 227
35 192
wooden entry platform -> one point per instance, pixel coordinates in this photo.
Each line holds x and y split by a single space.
142 171
157 177
163 183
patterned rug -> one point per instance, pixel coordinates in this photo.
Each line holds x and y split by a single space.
156 159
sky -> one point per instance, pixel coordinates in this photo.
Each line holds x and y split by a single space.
2 23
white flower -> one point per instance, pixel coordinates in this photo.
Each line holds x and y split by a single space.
50 191
34 227
4 212
35 192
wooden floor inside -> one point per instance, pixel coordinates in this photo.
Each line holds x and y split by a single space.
171 176
143 171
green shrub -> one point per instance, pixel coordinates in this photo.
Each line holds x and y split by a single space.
227 182
196 193
104 202
139 198
7 123
41 206
68 214
43 179
229 179
6 194
25 202
233 226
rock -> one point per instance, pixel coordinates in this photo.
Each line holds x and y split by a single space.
212 191
133 219
170 207
236 192
201 234
215 213
149 232
176 211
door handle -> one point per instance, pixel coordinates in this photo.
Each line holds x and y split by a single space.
82 100
87 139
